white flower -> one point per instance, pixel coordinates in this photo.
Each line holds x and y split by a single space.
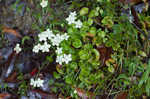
70 20
59 50
59 59
39 82
67 58
49 34
42 36
45 47
36 48
33 83
78 24
65 36
56 40
17 48
75 91
72 17
36 83
73 14
44 3
63 58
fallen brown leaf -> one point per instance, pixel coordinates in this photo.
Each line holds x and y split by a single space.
45 95
90 34
105 53
121 95
5 95
11 58
144 97
12 77
11 31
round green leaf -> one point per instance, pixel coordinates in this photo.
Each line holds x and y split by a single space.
108 21
93 13
93 30
84 11
74 65
83 54
77 43
90 21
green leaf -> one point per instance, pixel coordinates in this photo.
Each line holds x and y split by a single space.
97 55
102 34
70 30
111 69
59 70
90 21
83 54
107 21
117 28
25 38
142 53
65 45
68 80
132 68
88 46
93 13
123 76
54 89
148 87
56 75
93 30
51 82
50 58
85 72
74 65
84 11
144 78
77 43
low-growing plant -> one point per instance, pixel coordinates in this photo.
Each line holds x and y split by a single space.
96 47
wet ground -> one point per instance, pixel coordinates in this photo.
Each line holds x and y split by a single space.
15 25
